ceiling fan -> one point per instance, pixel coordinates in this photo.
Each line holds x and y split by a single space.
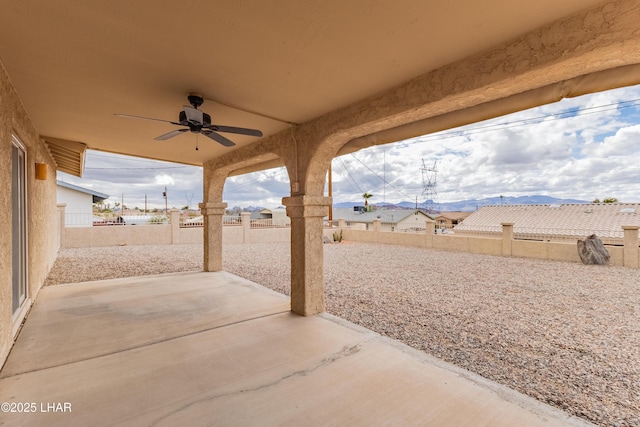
197 121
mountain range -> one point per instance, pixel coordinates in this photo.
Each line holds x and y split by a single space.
471 204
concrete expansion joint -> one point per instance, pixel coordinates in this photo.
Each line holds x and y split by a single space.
147 344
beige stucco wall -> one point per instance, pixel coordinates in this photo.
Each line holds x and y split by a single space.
359 235
41 206
486 246
402 238
617 255
268 235
191 236
161 234
88 237
557 251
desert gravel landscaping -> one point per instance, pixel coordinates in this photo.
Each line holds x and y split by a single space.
564 333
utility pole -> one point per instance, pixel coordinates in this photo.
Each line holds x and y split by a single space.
330 186
384 176
166 203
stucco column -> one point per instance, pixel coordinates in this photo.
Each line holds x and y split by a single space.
307 256
507 238
212 213
630 257
174 218
246 226
431 230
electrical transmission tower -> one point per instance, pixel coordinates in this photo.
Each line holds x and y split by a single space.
429 183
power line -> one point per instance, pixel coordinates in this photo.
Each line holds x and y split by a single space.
382 179
350 176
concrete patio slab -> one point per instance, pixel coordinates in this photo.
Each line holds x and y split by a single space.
215 349
76 322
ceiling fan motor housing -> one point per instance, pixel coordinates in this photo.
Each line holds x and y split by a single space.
206 119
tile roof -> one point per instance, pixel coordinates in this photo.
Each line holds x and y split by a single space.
603 219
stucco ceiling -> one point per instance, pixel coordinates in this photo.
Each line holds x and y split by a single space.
259 64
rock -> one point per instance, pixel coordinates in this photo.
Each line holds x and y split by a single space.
592 251
327 239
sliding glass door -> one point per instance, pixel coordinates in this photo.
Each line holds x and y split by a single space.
19 223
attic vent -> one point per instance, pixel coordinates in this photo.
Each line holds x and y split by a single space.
627 210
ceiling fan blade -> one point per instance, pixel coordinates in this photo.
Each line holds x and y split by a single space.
193 115
232 129
129 116
170 134
218 138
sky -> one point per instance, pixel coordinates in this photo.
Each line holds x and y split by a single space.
580 148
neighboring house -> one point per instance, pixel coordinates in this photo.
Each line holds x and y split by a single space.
450 219
79 203
579 220
390 219
278 216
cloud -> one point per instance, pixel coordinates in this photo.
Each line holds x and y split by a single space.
625 142
164 179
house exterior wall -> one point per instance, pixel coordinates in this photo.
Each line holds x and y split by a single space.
412 221
41 209
79 206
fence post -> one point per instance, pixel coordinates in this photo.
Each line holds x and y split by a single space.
342 223
507 238
630 254
376 229
174 219
62 224
246 226
431 230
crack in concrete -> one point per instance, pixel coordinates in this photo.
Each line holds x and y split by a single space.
345 352
140 345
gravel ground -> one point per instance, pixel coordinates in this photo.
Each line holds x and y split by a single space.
564 333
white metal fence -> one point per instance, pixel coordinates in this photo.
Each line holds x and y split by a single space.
87 220
269 223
